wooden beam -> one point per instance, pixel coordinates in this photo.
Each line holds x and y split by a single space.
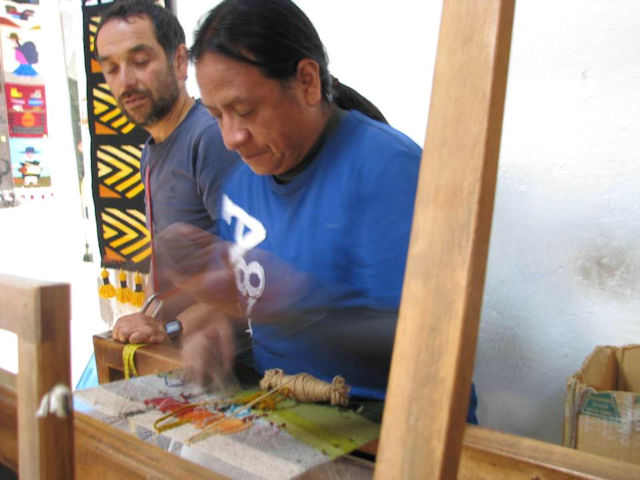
492 455
40 313
435 343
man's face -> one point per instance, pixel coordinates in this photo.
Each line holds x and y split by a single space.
260 118
141 78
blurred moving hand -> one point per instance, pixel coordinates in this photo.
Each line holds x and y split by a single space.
208 346
200 264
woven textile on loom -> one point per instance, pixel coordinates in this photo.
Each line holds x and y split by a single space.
284 443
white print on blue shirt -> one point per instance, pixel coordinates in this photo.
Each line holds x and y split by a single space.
248 234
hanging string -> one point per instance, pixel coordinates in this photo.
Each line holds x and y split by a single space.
194 413
231 423
306 388
106 290
269 403
123 295
128 353
137 296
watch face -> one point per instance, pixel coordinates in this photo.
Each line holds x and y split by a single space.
173 328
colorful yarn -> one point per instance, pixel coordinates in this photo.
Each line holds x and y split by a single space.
123 294
137 296
128 353
106 290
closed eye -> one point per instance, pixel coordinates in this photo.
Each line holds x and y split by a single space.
245 114
141 61
109 68
215 113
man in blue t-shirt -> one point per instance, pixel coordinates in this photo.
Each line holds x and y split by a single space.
141 49
316 223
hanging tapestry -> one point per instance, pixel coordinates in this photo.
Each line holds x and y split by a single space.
23 133
116 146
29 163
26 110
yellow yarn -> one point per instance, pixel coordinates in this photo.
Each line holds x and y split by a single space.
106 290
137 296
123 294
128 353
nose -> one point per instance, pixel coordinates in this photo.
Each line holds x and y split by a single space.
233 134
127 77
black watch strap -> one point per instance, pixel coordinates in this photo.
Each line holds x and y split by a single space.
173 328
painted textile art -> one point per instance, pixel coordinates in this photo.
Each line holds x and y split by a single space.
278 441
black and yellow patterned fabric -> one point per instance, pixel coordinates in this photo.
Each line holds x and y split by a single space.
116 146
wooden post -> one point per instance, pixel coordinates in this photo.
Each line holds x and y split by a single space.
435 343
39 313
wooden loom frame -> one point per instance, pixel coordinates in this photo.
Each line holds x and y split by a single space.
39 313
437 330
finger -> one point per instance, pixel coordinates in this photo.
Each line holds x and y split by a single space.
120 335
138 337
147 335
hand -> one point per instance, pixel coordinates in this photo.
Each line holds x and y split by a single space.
208 352
139 328
196 261
199 264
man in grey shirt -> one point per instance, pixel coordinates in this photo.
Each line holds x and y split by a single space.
141 48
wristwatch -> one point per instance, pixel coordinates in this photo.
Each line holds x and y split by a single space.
173 328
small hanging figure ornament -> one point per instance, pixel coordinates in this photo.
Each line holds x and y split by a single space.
137 296
123 295
106 290
306 388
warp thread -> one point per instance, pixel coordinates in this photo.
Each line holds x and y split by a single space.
56 401
306 388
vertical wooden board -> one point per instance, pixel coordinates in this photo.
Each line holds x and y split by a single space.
434 349
18 306
42 315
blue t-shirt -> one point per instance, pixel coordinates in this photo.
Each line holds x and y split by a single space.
320 260
186 171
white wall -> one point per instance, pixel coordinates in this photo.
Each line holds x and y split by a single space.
45 239
385 50
564 266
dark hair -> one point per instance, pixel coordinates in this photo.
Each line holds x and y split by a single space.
273 35
167 29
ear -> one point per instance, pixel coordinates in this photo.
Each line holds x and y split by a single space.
181 62
308 78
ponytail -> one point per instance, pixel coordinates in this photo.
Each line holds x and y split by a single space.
347 98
